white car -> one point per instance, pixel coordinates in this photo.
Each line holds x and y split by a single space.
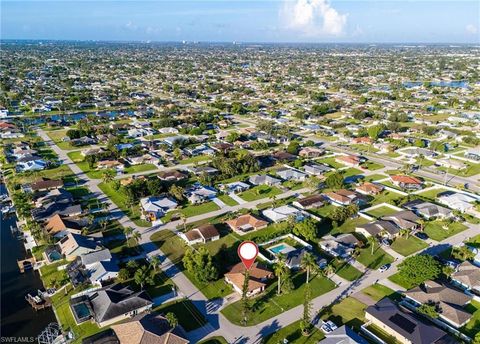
328 327
384 267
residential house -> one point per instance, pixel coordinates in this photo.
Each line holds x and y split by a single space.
467 277
335 248
284 156
472 154
309 202
406 182
96 266
457 201
291 174
111 304
403 325
92 151
451 164
349 160
311 152
259 276
428 210
107 164
153 208
343 335
450 301
391 225
201 234
102 272
234 187
362 140
171 175
45 185
282 213
199 193
404 219
368 188
316 169
264 179
58 226
73 245
148 329
343 197
246 223
32 165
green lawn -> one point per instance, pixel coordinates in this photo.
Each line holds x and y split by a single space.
381 211
269 304
228 200
294 336
57 136
77 158
351 172
163 285
349 226
386 196
140 168
432 194
375 177
345 270
373 166
471 170
259 192
379 291
67 321
173 247
436 232
331 162
199 158
192 210
117 197
349 311
189 317
375 260
401 281
51 276
408 246
473 326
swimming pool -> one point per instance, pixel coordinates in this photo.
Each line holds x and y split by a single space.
82 312
278 249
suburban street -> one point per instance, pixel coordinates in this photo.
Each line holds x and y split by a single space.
218 325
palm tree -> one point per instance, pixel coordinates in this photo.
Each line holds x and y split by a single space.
108 175
371 241
183 218
308 263
404 233
171 319
127 231
136 236
328 270
280 269
154 262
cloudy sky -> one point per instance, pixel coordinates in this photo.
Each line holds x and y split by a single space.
244 20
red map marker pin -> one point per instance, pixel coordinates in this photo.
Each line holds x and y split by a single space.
247 251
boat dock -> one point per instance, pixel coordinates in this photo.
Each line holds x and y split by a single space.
38 302
26 264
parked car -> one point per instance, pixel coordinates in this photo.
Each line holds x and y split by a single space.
421 235
386 242
384 267
328 327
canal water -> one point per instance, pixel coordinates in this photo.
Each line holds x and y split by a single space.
18 319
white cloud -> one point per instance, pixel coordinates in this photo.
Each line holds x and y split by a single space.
472 29
131 26
313 17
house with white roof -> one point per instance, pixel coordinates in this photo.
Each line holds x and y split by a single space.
153 208
32 165
199 193
282 213
457 201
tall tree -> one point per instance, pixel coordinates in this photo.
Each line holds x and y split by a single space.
305 324
308 263
245 302
171 319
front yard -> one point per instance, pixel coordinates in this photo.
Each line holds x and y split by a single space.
259 192
381 211
269 304
187 314
408 246
375 260
293 334
345 270
436 231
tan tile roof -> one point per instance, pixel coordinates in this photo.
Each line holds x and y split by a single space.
405 179
247 220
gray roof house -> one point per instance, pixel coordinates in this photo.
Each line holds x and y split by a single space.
428 210
114 303
343 335
263 179
404 325
316 169
291 174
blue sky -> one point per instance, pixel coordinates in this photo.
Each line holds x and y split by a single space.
244 21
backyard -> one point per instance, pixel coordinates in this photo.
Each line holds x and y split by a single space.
375 260
293 334
259 192
187 314
435 230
